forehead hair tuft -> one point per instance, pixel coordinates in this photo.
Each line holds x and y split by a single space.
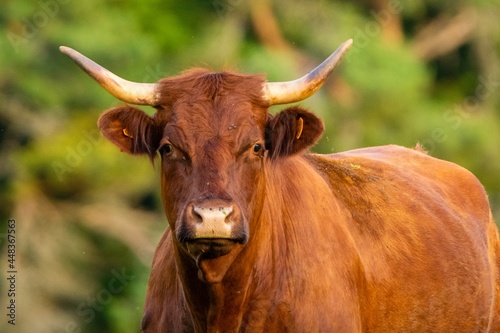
203 83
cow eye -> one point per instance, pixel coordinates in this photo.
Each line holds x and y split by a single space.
166 149
257 148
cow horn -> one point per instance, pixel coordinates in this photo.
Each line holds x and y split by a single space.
127 91
297 90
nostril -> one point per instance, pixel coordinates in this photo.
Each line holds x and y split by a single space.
226 211
197 216
193 214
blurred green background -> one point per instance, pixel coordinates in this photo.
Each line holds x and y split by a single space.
89 217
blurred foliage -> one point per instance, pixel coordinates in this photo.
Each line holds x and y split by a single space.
422 71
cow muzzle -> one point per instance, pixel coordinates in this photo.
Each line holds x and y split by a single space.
212 227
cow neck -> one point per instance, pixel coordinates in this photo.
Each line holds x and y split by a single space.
215 306
288 232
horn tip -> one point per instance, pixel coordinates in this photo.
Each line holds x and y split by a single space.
64 49
68 51
348 43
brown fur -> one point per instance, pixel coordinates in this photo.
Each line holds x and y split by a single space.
383 239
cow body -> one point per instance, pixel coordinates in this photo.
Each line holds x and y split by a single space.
383 239
264 236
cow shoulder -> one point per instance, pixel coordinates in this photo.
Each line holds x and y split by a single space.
369 180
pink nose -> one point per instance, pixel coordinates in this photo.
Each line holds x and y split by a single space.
211 219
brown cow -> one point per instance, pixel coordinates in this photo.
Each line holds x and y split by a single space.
264 236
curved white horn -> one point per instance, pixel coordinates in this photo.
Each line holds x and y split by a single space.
297 90
127 91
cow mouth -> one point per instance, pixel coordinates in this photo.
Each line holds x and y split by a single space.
210 248
213 256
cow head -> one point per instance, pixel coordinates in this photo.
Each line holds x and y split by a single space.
214 134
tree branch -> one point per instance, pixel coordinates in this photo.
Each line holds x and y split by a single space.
445 34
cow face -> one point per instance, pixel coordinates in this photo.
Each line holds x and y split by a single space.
214 136
216 139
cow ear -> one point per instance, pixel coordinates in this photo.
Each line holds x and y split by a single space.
132 130
292 131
